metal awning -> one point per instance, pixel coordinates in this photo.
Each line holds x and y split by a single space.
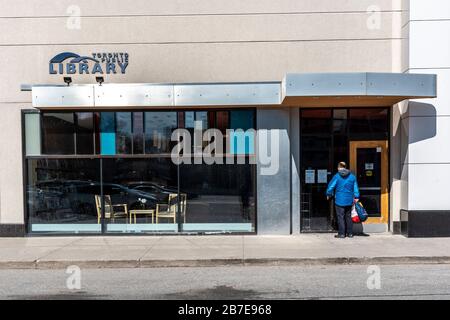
304 90
356 89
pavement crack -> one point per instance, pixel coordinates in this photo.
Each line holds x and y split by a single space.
149 249
192 242
57 249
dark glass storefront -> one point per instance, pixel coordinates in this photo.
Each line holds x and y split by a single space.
325 140
112 172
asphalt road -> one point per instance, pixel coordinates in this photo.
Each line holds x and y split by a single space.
314 282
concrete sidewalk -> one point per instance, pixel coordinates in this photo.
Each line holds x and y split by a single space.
173 251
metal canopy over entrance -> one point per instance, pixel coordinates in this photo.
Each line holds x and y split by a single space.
357 89
306 90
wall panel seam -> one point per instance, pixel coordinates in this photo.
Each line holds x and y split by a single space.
196 42
202 14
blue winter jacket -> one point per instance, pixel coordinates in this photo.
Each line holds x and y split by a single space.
344 187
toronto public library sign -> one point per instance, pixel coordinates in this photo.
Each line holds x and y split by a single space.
97 63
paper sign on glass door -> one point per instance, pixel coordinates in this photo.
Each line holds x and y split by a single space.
310 176
322 176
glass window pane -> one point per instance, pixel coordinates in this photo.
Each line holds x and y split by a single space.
242 142
61 195
223 121
123 133
369 123
315 121
32 134
58 133
220 198
340 121
85 132
138 132
242 119
97 132
340 114
107 133
202 116
340 150
212 119
189 119
191 116
138 190
158 131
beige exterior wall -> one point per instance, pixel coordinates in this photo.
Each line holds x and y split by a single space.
184 41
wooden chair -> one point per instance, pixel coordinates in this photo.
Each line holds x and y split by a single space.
170 210
110 209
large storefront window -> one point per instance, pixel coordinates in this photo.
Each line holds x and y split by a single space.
112 172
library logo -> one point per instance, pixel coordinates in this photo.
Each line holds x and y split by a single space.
98 63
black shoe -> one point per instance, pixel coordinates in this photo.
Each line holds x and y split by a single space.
350 235
340 236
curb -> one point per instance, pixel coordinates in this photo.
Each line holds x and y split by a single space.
118 264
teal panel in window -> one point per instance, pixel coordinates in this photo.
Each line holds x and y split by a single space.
107 134
108 143
241 140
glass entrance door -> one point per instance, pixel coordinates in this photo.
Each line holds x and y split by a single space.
327 136
317 141
369 162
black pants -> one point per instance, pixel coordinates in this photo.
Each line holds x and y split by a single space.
344 219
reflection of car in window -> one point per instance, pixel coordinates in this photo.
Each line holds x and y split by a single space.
68 200
122 194
159 191
151 190
81 195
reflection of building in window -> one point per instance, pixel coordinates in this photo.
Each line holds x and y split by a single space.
158 130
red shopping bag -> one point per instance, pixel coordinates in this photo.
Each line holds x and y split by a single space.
355 216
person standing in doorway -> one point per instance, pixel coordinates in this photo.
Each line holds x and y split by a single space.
344 188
